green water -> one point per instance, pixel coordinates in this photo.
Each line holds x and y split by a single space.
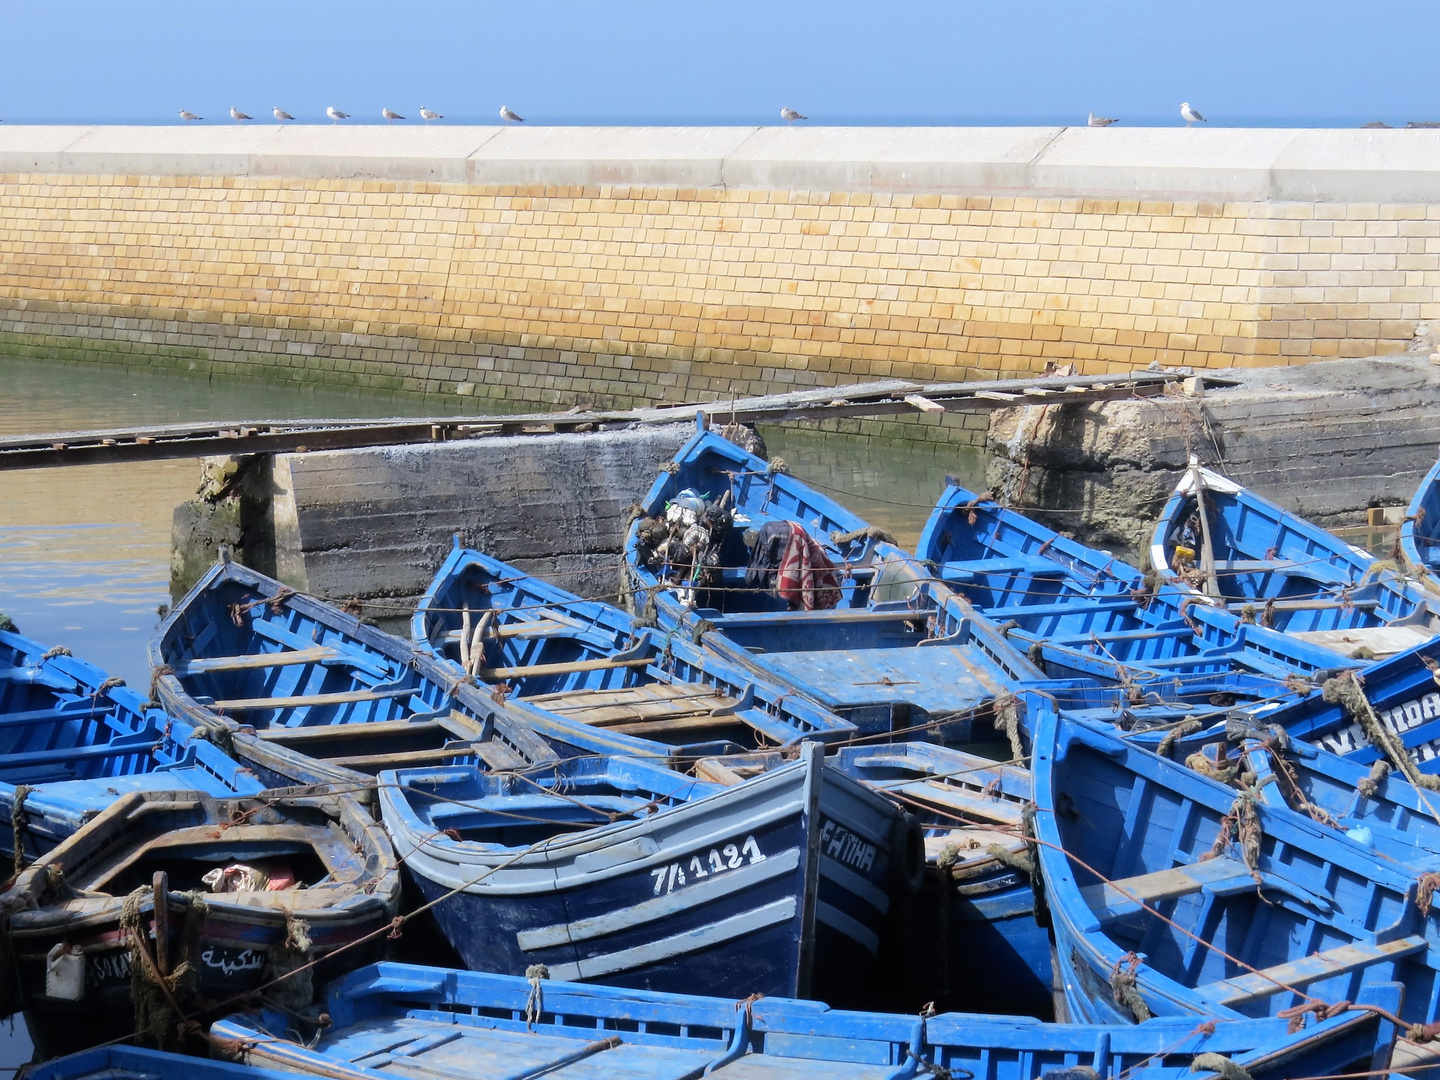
85 550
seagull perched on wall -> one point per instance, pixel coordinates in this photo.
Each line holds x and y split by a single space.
1102 121
187 116
1189 115
335 114
789 115
509 115
281 114
429 114
390 115
238 116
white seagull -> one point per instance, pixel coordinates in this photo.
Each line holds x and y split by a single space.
1101 121
789 115
390 115
509 115
187 116
429 114
335 114
281 114
237 115
1189 115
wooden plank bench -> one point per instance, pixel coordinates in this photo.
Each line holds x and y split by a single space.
1299 973
259 661
1117 899
500 674
302 701
631 704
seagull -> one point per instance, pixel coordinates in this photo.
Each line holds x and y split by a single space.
789 115
187 116
1189 115
335 114
1101 121
390 115
509 116
429 114
237 115
281 114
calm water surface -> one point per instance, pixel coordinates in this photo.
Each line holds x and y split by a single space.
85 551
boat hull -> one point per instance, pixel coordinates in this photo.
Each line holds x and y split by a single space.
780 885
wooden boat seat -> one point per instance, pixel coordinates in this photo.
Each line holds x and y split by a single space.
500 674
1117 899
1315 571
645 710
320 734
530 628
969 569
66 754
403 759
375 664
259 661
303 701
1299 973
1077 606
1380 640
47 716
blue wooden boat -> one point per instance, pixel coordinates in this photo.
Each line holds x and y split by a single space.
1398 697
72 740
983 916
1279 570
1083 614
236 892
586 678
1172 894
304 693
630 874
1420 531
392 1020
852 649
1375 808
135 1063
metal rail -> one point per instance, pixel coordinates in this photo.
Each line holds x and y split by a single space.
297 436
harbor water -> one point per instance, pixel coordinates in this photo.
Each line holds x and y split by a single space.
85 551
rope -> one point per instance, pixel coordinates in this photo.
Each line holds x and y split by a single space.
1218 1063
1345 689
1369 785
867 532
535 1001
1425 892
1007 720
1174 735
1124 990
1244 821
58 650
17 824
155 994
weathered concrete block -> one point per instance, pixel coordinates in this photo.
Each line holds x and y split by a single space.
375 524
1326 440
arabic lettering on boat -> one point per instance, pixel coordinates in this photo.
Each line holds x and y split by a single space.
232 962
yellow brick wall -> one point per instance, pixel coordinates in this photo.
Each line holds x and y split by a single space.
548 294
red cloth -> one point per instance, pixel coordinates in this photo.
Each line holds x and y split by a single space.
806 578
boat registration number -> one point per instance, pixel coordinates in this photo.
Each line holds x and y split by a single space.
730 856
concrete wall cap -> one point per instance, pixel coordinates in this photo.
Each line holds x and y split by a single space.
1250 164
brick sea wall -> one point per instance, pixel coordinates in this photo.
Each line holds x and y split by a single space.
622 292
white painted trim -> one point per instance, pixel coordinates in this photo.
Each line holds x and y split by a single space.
677 945
658 907
837 920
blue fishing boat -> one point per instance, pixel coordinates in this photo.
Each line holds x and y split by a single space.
304 693
1083 614
1420 531
392 1020
223 898
1391 711
1173 894
135 1063
1277 569
586 678
630 874
971 810
73 740
788 584
1372 806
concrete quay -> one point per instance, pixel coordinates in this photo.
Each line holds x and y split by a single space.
628 266
1328 441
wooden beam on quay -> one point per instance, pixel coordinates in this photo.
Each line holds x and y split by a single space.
835 402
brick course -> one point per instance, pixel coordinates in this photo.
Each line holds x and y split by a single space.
549 295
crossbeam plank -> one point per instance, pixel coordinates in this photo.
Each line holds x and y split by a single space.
301 701
259 661
500 674
1309 969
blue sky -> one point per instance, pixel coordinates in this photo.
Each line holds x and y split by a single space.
569 61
